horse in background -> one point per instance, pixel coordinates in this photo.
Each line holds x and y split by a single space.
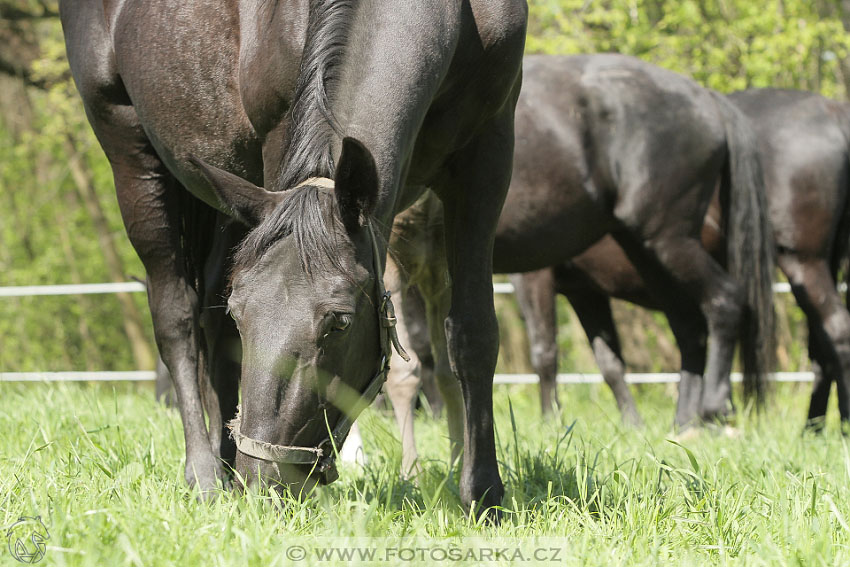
609 144
804 142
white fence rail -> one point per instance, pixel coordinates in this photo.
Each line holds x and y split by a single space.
71 289
144 375
125 376
149 375
134 287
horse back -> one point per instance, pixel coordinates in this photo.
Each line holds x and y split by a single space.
183 70
804 150
592 133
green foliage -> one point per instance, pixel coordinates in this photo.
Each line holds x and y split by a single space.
46 235
46 232
724 44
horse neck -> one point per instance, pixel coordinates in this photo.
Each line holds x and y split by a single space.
403 51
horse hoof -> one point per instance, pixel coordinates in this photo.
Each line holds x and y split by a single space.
731 432
209 478
483 496
632 420
688 434
411 472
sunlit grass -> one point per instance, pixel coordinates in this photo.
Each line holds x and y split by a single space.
103 466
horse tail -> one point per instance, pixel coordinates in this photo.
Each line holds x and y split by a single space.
750 248
197 230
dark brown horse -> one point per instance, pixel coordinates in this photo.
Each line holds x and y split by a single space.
344 111
611 144
805 148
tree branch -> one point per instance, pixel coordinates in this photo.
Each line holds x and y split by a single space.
15 14
24 74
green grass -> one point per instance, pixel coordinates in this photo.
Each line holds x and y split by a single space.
103 465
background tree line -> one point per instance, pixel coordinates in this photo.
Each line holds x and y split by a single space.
59 220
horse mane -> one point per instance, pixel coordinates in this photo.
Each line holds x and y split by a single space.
312 125
307 213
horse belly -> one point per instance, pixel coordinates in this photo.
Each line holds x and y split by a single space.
537 230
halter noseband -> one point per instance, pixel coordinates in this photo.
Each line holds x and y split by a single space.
322 456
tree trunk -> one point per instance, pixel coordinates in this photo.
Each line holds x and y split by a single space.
133 327
93 359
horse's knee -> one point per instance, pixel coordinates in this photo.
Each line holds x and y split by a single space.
544 356
174 324
725 311
609 363
403 382
837 326
473 344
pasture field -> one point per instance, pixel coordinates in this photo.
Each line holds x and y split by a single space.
103 466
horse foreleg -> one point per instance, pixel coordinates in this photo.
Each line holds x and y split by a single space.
174 303
221 389
148 196
472 193
403 381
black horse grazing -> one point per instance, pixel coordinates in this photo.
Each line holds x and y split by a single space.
611 144
344 111
805 148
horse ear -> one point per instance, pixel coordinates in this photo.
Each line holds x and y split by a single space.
240 199
356 183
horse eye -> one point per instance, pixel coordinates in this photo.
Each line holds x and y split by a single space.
341 322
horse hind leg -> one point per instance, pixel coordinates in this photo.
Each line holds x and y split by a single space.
447 383
690 328
829 323
721 302
665 266
535 292
416 320
826 370
402 387
594 312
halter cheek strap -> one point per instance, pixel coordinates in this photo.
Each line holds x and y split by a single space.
322 456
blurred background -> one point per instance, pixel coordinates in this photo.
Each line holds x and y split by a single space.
59 221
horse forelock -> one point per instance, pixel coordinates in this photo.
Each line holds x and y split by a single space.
309 150
309 215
